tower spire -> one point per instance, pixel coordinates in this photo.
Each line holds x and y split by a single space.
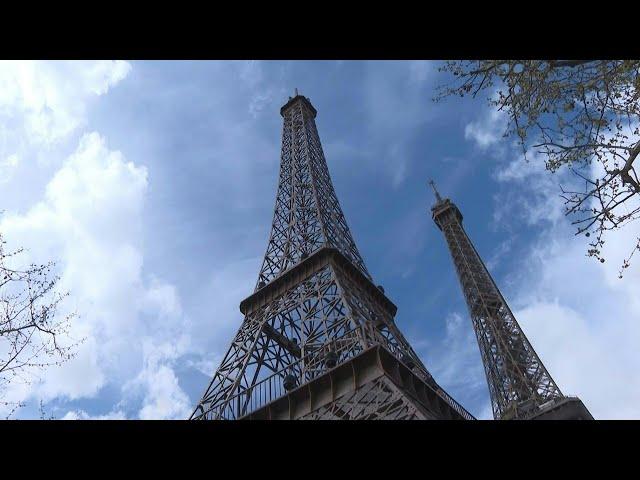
318 340
519 384
435 190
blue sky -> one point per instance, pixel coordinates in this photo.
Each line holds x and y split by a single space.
152 184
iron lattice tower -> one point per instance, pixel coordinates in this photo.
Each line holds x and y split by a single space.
318 340
520 386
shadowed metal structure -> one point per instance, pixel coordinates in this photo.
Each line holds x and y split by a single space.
318 340
519 384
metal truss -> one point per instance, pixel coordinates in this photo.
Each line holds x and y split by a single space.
314 306
379 399
373 386
519 384
307 212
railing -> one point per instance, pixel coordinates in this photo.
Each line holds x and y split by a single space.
312 365
456 406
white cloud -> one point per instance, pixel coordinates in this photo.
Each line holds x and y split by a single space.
400 173
250 72
82 415
90 221
455 364
488 130
393 114
420 71
88 216
259 101
584 325
578 354
499 253
46 101
7 167
41 104
163 397
461 352
228 285
207 366
163 298
263 94
541 203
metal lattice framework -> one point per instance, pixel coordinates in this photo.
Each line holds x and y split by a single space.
307 212
314 307
519 383
379 399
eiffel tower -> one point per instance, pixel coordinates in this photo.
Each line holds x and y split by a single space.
318 340
520 386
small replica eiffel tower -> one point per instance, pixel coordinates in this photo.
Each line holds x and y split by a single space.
520 386
318 340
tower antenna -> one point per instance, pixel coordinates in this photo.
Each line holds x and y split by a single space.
435 190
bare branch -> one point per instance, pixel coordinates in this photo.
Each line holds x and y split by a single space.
580 113
32 335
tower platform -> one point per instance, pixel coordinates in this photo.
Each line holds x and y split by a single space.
373 385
